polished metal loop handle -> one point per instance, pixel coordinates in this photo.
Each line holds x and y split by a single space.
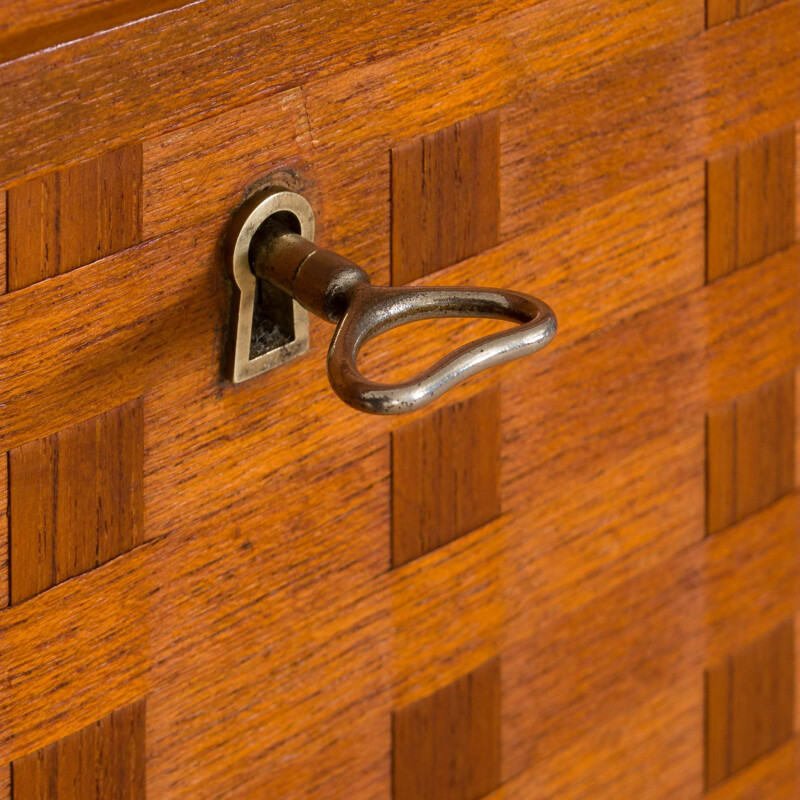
372 311
337 290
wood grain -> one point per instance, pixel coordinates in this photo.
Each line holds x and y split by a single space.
774 775
325 727
28 27
797 428
722 184
721 449
445 475
74 216
32 549
558 410
239 147
718 724
548 169
663 739
751 202
751 6
75 500
447 746
765 429
764 548
3 242
781 191
445 197
796 675
582 673
762 694
752 321
164 94
750 444
269 431
261 618
797 180
177 329
749 704
623 466
32 213
719 11
120 455
766 196
485 63
4 594
104 761
75 653
341 623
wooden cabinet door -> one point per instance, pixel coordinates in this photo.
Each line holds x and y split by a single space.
572 577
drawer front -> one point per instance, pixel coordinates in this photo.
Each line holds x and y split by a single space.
573 576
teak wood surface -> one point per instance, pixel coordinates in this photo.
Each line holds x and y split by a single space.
574 577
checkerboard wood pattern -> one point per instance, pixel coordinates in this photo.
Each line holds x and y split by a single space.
576 576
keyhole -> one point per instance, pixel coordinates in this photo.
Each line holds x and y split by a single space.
273 310
267 327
